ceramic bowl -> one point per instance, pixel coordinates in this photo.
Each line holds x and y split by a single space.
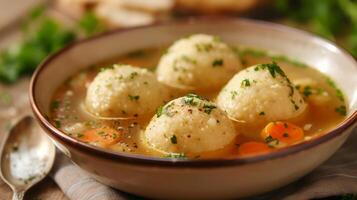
198 179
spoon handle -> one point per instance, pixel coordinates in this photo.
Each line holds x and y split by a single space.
18 195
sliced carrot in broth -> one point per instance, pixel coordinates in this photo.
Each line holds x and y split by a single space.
285 132
253 148
103 136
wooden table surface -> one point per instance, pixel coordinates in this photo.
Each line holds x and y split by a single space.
9 113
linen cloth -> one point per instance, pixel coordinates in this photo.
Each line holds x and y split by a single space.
337 176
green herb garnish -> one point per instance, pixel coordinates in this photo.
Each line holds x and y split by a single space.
159 111
133 75
341 110
307 91
204 47
217 63
45 37
245 83
54 105
57 123
273 69
207 108
191 99
90 24
234 94
328 18
272 142
134 97
176 155
188 59
332 84
173 139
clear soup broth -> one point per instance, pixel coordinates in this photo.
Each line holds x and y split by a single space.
326 106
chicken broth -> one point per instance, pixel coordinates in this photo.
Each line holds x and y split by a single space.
325 109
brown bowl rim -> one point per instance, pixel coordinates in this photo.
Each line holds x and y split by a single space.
167 162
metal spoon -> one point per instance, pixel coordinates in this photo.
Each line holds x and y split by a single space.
26 157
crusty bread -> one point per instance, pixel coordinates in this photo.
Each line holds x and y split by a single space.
119 13
76 8
124 13
151 6
217 6
117 16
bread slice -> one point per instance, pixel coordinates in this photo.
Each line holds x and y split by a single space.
75 8
218 6
151 6
118 16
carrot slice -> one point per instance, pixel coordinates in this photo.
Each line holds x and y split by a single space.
253 148
284 132
103 136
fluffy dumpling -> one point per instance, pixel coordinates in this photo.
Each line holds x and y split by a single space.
200 61
261 93
189 124
125 91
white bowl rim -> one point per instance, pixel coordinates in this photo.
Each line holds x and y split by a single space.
129 158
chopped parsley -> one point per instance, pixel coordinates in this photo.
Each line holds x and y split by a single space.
80 135
165 110
194 100
341 110
204 47
191 99
101 133
54 105
245 83
57 123
332 84
262 113
42 36
188 59
207 108
176 155
234 94
217 63
307 91
134 97
273 69
133 75
159 111
90 24
173 139
272 142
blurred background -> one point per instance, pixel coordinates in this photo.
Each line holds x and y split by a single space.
49 25
30 30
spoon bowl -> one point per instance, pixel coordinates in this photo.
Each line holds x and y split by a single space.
26 157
